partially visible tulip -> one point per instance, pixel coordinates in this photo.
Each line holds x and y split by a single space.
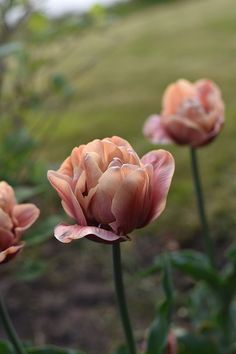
192 114
171 347
14 220
109 191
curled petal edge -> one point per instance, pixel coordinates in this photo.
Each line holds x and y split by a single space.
10 252
67 233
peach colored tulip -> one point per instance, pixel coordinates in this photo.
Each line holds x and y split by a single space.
192 114
14 220
109 191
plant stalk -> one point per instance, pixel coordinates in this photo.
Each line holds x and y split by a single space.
201 206
121 299
9 328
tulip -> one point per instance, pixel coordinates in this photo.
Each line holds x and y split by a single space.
109 191
14 220
192 114
171 347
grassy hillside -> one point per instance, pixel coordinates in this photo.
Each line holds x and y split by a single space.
119 72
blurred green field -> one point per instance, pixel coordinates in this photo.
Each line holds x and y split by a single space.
119 71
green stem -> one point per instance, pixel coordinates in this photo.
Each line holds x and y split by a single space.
6 321
120 293
201 206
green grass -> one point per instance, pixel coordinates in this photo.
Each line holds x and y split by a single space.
119 73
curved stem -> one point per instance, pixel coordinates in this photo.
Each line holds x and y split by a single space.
201 206
10 331
121 299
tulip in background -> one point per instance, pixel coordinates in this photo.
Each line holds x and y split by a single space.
14 220
109 191
192 114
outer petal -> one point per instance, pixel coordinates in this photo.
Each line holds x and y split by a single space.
24 215
10 252
5 220
209 94
184 131
7 238
67 233
163 170
155 131
7 197
175 94
70 203
119 141
128 200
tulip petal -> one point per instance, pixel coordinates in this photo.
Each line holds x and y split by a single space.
184 131
93 172
7 197
100 204
67 233
155 131
5 220
126 205
66 167
111 151
175 94
25 215
163 170
70 203
10 252
6 238
116 140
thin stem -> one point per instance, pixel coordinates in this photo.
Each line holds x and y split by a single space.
120 293
201 206
7 324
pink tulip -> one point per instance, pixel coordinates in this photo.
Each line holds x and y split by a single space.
109 191
14 220
171 347
192 114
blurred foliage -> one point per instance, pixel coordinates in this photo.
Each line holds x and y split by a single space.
23 94
6 348
210 306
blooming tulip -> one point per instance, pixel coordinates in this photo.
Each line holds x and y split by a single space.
192 114
109 191
14 220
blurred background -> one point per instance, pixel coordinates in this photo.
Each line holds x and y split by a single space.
72 71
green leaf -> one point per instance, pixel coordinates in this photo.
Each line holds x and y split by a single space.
42 231
6 348
158 332
190 344
167 280
231 253
38 22
52 350
197 266
192 263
